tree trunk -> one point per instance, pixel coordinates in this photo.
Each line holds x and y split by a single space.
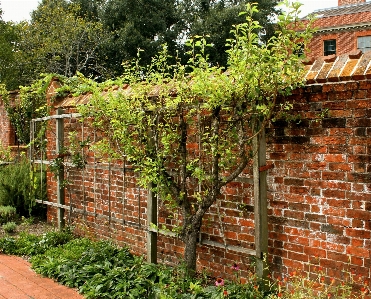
190 257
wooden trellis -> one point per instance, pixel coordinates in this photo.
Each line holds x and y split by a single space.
260 196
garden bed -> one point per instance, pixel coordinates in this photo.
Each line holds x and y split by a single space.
34 226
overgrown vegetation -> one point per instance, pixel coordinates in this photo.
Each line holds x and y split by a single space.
9 227
7 213
19 185
189 129
5 153
30 245
31 103
103 270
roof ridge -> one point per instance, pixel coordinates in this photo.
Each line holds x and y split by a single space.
341 7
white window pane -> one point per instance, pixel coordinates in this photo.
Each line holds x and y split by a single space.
360 43
367 41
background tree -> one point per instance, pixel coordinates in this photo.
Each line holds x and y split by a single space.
215 19
8 41
188 129
138 24
59 41
95 37
90 10
70 43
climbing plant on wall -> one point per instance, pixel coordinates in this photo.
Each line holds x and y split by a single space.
30 103
188 129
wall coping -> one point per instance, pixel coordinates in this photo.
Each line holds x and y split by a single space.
355 65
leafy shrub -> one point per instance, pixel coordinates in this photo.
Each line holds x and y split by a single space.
7 213
103 270
28 244
9 227
315 285
18 186
5 154
28 221
98 269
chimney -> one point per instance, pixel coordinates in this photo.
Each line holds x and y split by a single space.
348 2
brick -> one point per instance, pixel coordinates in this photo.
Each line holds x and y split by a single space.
338 257
333 247
297 256
333 140
294 181
358 104
356 251
360 177
295 247
326 175
334 123
298 240
357 243
333 193
334 158
354 260
317 252
360 132
339 221
362 234
332 229
315 217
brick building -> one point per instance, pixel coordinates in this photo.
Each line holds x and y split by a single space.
342 29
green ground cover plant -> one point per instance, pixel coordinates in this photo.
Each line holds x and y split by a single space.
30 245
100 269
9 227
103 270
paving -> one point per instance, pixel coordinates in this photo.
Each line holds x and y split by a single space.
19 281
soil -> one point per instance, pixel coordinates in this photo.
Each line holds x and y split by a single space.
32 226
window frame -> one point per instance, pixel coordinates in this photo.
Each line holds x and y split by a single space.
365 48
327 44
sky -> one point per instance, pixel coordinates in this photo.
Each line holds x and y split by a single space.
19 10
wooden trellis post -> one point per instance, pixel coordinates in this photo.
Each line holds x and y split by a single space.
260 204
151 216
151 220
60 176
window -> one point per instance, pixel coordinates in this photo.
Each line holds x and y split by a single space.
364 43
329 47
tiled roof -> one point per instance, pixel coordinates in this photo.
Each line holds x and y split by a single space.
351 66
343 10
342 17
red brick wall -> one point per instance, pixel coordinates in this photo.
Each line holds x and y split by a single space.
7 135
319 191
320 188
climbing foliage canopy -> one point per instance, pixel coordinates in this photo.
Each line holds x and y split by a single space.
191 125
